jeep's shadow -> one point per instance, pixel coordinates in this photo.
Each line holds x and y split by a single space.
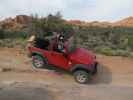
103 76
56 70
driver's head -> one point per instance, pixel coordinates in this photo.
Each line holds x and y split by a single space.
61 37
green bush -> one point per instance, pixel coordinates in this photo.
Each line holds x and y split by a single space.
131 55
124 53
51 23
105 50
113 52
130 42
2 35
11 43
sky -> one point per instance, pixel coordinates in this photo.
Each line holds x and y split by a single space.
87 10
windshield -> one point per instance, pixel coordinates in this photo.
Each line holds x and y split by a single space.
71 45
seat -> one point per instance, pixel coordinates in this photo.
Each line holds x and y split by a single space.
41 43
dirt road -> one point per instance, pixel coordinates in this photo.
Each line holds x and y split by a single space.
18 81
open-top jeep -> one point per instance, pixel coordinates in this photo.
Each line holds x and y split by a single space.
79 61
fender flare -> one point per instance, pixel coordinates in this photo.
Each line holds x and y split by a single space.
81 67
37 53
40 54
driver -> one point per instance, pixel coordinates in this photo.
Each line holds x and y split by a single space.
61 43
57 42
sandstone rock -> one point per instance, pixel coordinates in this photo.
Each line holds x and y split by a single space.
127 22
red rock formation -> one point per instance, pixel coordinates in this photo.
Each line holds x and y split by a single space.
15 24
127 22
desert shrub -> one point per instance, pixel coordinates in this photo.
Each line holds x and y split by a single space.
130 41
6 43
120 52
113 52
13 35
105 50
51 23
131 55
2 35
11 43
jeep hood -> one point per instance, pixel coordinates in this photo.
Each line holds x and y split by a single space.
82 56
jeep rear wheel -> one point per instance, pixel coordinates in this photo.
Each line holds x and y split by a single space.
82 76
39 61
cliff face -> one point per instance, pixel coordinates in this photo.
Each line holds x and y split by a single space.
15 24
127 22
23 19
89 24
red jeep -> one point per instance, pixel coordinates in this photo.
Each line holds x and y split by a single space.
79 61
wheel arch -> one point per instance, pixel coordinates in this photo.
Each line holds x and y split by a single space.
80 67
37 53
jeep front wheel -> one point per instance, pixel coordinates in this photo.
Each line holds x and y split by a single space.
82 76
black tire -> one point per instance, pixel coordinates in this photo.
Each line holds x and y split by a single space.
82 76
39 62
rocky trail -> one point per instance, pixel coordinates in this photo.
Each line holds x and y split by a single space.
18 81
